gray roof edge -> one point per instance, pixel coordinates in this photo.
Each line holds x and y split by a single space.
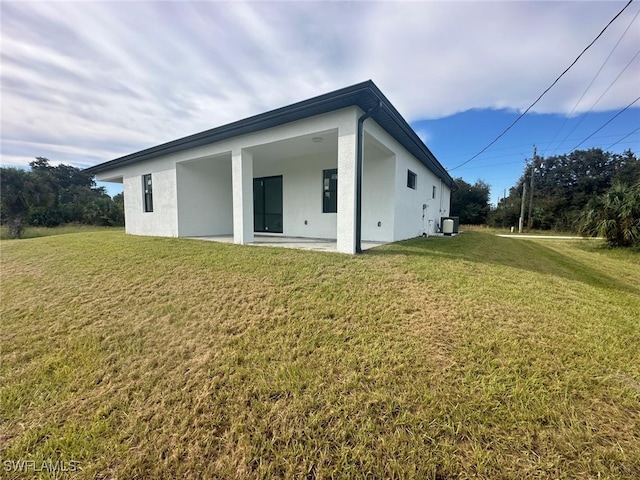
234 129
279 116
434 164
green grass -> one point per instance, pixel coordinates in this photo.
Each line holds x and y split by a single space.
466 357
526 231
36 232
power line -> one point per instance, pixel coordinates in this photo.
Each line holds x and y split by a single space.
626 136
519 162
598 100
513 153
543 93
606 123
591 83
518 146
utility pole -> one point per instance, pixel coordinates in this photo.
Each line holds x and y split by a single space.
524 196
533 175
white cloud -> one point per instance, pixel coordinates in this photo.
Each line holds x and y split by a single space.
443 58
87 82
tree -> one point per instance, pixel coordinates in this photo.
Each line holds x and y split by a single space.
14 197
507 211
629 172
104 211
565 184
471 202
614 216
49 196
65 193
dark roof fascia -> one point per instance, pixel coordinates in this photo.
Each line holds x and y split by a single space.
416 146
364 95
252 124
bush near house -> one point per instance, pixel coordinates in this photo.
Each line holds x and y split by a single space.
464 357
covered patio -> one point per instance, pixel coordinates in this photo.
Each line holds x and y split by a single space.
278 186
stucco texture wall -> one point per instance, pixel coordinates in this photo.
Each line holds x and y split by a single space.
204 197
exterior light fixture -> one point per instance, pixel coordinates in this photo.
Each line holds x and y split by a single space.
317 139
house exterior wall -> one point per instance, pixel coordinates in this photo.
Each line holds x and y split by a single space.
302 194
242 189
407 203
378 194
446 202
205 197
346 221
163 221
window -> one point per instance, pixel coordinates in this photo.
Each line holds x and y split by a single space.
330 191
147 188
412 179
433 192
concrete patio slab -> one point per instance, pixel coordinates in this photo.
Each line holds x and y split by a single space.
318 244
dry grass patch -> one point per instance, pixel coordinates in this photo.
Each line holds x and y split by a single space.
466 357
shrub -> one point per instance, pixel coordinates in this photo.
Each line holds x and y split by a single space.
614 216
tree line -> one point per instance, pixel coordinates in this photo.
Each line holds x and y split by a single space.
585 191
49 196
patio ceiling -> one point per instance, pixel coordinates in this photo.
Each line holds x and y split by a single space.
304 145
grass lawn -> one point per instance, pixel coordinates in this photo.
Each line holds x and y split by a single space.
35 232
466 357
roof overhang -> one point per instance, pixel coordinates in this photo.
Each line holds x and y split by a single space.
365 95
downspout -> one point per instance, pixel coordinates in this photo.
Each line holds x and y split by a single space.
359 162
439 219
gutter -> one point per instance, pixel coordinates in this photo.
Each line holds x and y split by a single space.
359 161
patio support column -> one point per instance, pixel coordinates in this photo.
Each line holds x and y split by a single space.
346 222
242 178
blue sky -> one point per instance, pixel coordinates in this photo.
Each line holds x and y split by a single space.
503 163
85 82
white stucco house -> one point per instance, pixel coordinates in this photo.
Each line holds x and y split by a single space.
343 166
